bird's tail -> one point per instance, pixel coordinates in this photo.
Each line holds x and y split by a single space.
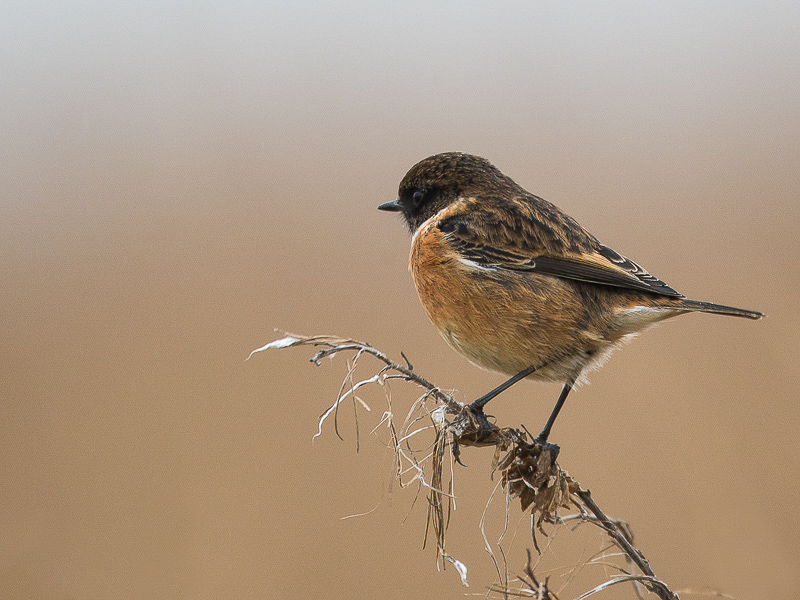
718 309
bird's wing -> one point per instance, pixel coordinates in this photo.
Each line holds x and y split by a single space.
506 244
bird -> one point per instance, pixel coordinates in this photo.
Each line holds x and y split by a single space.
516 285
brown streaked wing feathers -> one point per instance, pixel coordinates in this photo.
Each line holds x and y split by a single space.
586 260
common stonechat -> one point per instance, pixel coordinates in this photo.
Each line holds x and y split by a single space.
516 285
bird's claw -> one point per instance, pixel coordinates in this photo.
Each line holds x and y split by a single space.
554 449
456 450
483 426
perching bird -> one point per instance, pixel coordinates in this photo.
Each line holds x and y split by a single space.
516 285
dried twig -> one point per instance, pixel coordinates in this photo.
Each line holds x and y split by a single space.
528 469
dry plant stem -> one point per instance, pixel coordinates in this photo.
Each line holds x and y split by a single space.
336 345
528 470
614 531
619 532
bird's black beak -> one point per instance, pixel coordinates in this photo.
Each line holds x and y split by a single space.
392 206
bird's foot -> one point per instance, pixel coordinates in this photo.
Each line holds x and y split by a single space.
482 425
455 448
546 446
474 430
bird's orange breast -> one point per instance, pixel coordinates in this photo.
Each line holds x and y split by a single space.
499 319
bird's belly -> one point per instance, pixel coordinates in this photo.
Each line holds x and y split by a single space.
507 321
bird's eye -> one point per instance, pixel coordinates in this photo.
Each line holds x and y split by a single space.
418 197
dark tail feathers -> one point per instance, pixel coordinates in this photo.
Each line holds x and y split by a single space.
718 309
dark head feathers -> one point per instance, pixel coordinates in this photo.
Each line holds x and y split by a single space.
438 180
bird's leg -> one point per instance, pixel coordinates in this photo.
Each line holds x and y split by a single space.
542 437
477 405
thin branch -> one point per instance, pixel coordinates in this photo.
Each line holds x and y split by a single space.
528 471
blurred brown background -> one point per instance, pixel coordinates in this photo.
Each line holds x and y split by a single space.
177 182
